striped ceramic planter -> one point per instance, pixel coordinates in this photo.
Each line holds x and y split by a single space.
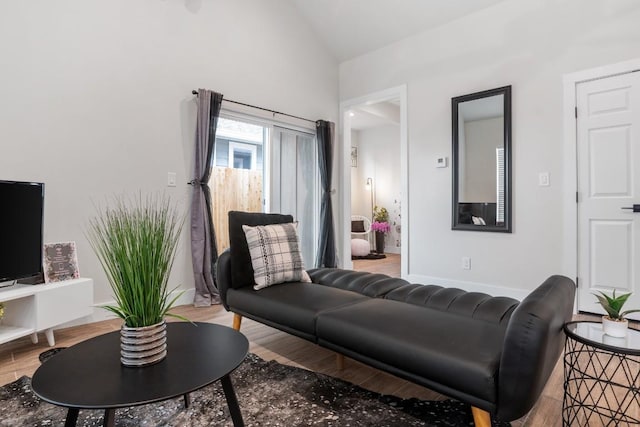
143 346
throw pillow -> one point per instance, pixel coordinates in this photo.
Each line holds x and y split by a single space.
241 270
357 226
275 254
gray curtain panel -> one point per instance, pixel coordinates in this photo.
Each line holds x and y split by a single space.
327 244
204 251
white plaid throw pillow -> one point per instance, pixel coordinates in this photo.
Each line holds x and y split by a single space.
275 254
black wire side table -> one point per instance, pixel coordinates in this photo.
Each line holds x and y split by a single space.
601 377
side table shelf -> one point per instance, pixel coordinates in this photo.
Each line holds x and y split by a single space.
30 309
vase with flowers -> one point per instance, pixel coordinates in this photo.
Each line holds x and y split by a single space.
381 226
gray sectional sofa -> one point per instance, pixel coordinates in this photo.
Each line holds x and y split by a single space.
494 353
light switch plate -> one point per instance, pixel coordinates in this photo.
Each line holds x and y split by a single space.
441 162
543 179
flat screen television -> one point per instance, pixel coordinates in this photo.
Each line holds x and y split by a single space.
21 223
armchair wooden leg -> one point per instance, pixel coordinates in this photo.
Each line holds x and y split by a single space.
481 418
340 361
237 320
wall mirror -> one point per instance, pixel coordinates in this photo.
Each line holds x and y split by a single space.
482 161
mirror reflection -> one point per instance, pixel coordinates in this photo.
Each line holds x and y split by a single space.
481 160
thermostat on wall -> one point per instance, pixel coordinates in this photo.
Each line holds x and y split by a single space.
441 162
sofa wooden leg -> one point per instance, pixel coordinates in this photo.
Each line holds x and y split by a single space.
237 320
340 361
481 418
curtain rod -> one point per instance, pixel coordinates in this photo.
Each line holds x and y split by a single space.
195 92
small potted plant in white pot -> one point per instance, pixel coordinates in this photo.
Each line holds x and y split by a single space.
136 241
614 323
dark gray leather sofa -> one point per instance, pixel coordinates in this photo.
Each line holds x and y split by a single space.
494 353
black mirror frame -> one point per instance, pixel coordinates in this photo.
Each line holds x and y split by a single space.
455 225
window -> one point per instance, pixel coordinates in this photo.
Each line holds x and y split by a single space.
261 167
242 156
237 179
239 144
294 184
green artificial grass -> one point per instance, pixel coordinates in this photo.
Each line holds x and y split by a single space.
136 242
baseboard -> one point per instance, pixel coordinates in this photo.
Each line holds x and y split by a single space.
100 314
493 290
392 249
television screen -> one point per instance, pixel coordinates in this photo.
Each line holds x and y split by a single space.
21 214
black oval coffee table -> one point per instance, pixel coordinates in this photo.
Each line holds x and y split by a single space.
89 375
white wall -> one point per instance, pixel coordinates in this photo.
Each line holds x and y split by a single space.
378 158
528 45
359 200
95 96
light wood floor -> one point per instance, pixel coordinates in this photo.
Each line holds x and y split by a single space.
389 265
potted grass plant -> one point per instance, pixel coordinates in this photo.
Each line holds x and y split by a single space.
614 323
136 240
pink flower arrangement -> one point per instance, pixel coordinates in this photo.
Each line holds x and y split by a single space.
381 226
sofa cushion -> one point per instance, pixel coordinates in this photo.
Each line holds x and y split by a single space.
241 269
275 254
371 285
292 305
471 304
457 352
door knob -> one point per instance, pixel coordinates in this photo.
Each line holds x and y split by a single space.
635 208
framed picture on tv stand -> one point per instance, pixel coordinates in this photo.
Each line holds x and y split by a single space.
60 262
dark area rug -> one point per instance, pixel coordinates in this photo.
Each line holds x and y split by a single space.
372 255
269 394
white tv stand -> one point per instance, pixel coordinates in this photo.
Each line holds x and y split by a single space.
29 309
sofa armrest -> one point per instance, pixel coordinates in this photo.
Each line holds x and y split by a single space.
223 276
533 342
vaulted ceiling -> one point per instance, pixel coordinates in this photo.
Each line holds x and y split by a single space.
350 28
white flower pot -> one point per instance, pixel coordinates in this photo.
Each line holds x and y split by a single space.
616 341
614 328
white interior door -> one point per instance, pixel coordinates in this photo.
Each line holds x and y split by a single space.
608 152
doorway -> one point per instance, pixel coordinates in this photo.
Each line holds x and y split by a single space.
375 187
374 129
605 136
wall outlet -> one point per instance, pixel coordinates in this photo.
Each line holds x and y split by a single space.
171 179
466 263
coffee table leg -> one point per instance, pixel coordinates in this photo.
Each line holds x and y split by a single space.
72 417
187 400
232 401
109 417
